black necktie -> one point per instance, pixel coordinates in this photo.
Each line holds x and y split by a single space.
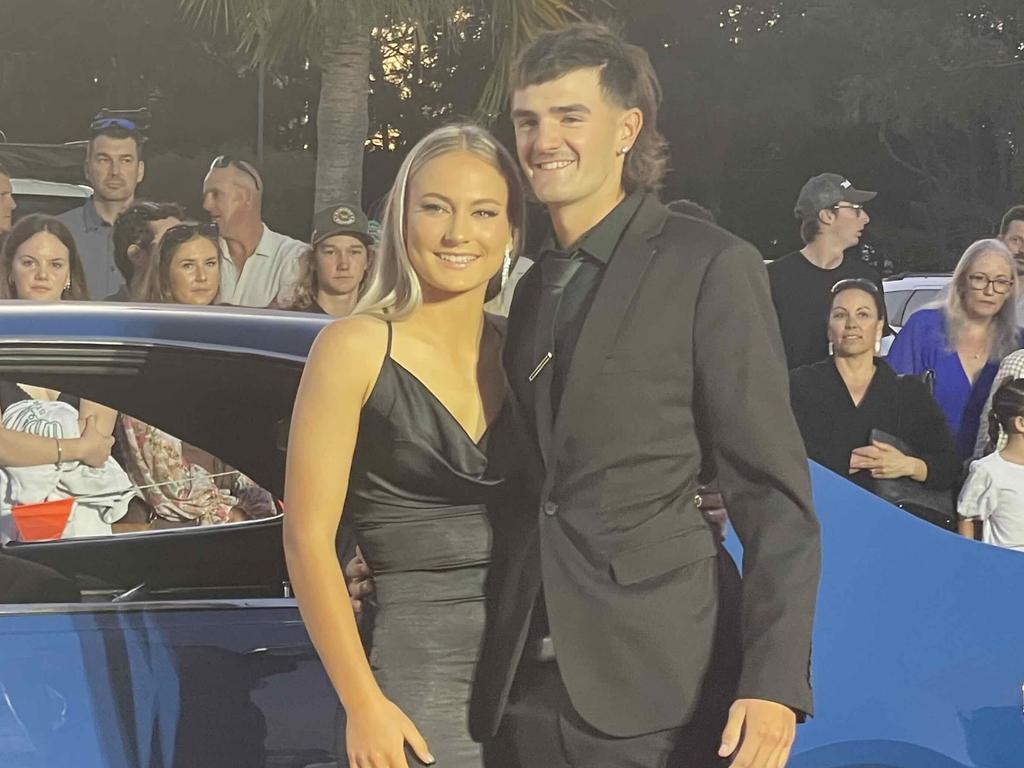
556 271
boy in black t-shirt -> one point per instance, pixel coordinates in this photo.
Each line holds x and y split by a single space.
832 219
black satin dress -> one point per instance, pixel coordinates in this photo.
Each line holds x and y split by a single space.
418 492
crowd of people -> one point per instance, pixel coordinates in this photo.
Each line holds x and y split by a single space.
941 410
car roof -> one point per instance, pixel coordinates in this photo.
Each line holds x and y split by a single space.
924 280
242 329
49 188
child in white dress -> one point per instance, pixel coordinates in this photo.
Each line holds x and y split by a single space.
994 491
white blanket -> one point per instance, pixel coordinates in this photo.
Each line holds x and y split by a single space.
101 493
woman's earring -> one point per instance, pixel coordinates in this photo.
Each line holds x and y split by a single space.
67 285
506 266
622 151
878 346
830 350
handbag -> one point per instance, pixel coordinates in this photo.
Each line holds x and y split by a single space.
935 506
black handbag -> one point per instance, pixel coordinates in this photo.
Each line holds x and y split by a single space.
937 507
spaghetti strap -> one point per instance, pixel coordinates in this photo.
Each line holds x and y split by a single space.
387 352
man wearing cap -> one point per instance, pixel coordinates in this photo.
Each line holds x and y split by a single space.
832 219
114 168
257 265
334 269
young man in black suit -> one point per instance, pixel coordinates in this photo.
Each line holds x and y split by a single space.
640 345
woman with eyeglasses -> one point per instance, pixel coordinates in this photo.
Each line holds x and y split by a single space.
962 339
839 401
40 262
187 267
186 271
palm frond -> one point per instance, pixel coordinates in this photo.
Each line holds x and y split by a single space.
514 23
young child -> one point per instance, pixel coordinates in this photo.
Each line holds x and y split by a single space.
994 491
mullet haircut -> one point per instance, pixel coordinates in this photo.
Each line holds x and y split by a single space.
627 79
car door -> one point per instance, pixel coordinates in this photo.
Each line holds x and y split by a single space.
186 649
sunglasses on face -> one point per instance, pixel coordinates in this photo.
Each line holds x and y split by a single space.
181 233
226 161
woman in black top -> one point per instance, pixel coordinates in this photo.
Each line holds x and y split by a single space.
838 401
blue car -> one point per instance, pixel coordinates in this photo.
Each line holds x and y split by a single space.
187 650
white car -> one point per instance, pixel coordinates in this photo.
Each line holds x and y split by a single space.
907 293
50 197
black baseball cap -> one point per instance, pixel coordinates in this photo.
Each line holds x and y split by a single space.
341 219
826 190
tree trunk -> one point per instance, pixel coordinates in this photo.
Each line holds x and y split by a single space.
342 119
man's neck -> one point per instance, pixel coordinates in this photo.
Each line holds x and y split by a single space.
109 210
338 305
823 253
573 220
243 241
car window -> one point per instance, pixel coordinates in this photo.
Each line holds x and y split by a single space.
921 298
152 481
895 301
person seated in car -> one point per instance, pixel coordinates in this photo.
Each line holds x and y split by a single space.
189 486
840 400
40 262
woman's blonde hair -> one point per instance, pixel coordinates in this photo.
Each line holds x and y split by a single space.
392 290
1004 324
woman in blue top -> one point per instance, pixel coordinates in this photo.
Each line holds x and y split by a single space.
963 337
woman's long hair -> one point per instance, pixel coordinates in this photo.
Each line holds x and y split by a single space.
392 288
22 231
1004 324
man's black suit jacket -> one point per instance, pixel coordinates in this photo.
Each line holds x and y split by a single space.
680 355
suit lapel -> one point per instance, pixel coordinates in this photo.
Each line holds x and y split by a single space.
620 282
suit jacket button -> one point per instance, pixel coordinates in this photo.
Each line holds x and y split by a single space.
550 508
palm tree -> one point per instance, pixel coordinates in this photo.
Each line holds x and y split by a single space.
336 35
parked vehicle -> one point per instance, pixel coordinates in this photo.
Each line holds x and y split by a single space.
907 293
186 649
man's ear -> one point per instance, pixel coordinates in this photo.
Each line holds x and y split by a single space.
826 216
630 125
141 174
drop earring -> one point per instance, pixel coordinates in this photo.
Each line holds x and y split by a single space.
506 266
830 349
878 346
67 285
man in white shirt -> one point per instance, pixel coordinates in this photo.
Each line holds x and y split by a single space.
257 264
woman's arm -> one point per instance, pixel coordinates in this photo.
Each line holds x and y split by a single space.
925 429
20 449
339 375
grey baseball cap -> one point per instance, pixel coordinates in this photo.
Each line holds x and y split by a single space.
341 219
824 191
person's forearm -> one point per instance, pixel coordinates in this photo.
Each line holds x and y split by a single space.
918 470
966 527
323 599
20 449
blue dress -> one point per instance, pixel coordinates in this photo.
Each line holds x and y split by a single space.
922 345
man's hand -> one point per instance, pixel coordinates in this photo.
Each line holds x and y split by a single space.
712 506
767 730
359 581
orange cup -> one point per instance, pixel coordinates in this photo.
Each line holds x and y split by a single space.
44 521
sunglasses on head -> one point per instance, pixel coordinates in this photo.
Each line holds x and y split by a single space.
226 161
100 123
180 233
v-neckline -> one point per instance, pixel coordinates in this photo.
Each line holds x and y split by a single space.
487 427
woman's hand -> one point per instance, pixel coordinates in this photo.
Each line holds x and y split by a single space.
376 735
93 447
884 462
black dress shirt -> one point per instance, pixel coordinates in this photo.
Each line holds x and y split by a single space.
595 250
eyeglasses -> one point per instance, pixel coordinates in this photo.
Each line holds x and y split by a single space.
979 282
857 207
226 161
112 122
181 233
